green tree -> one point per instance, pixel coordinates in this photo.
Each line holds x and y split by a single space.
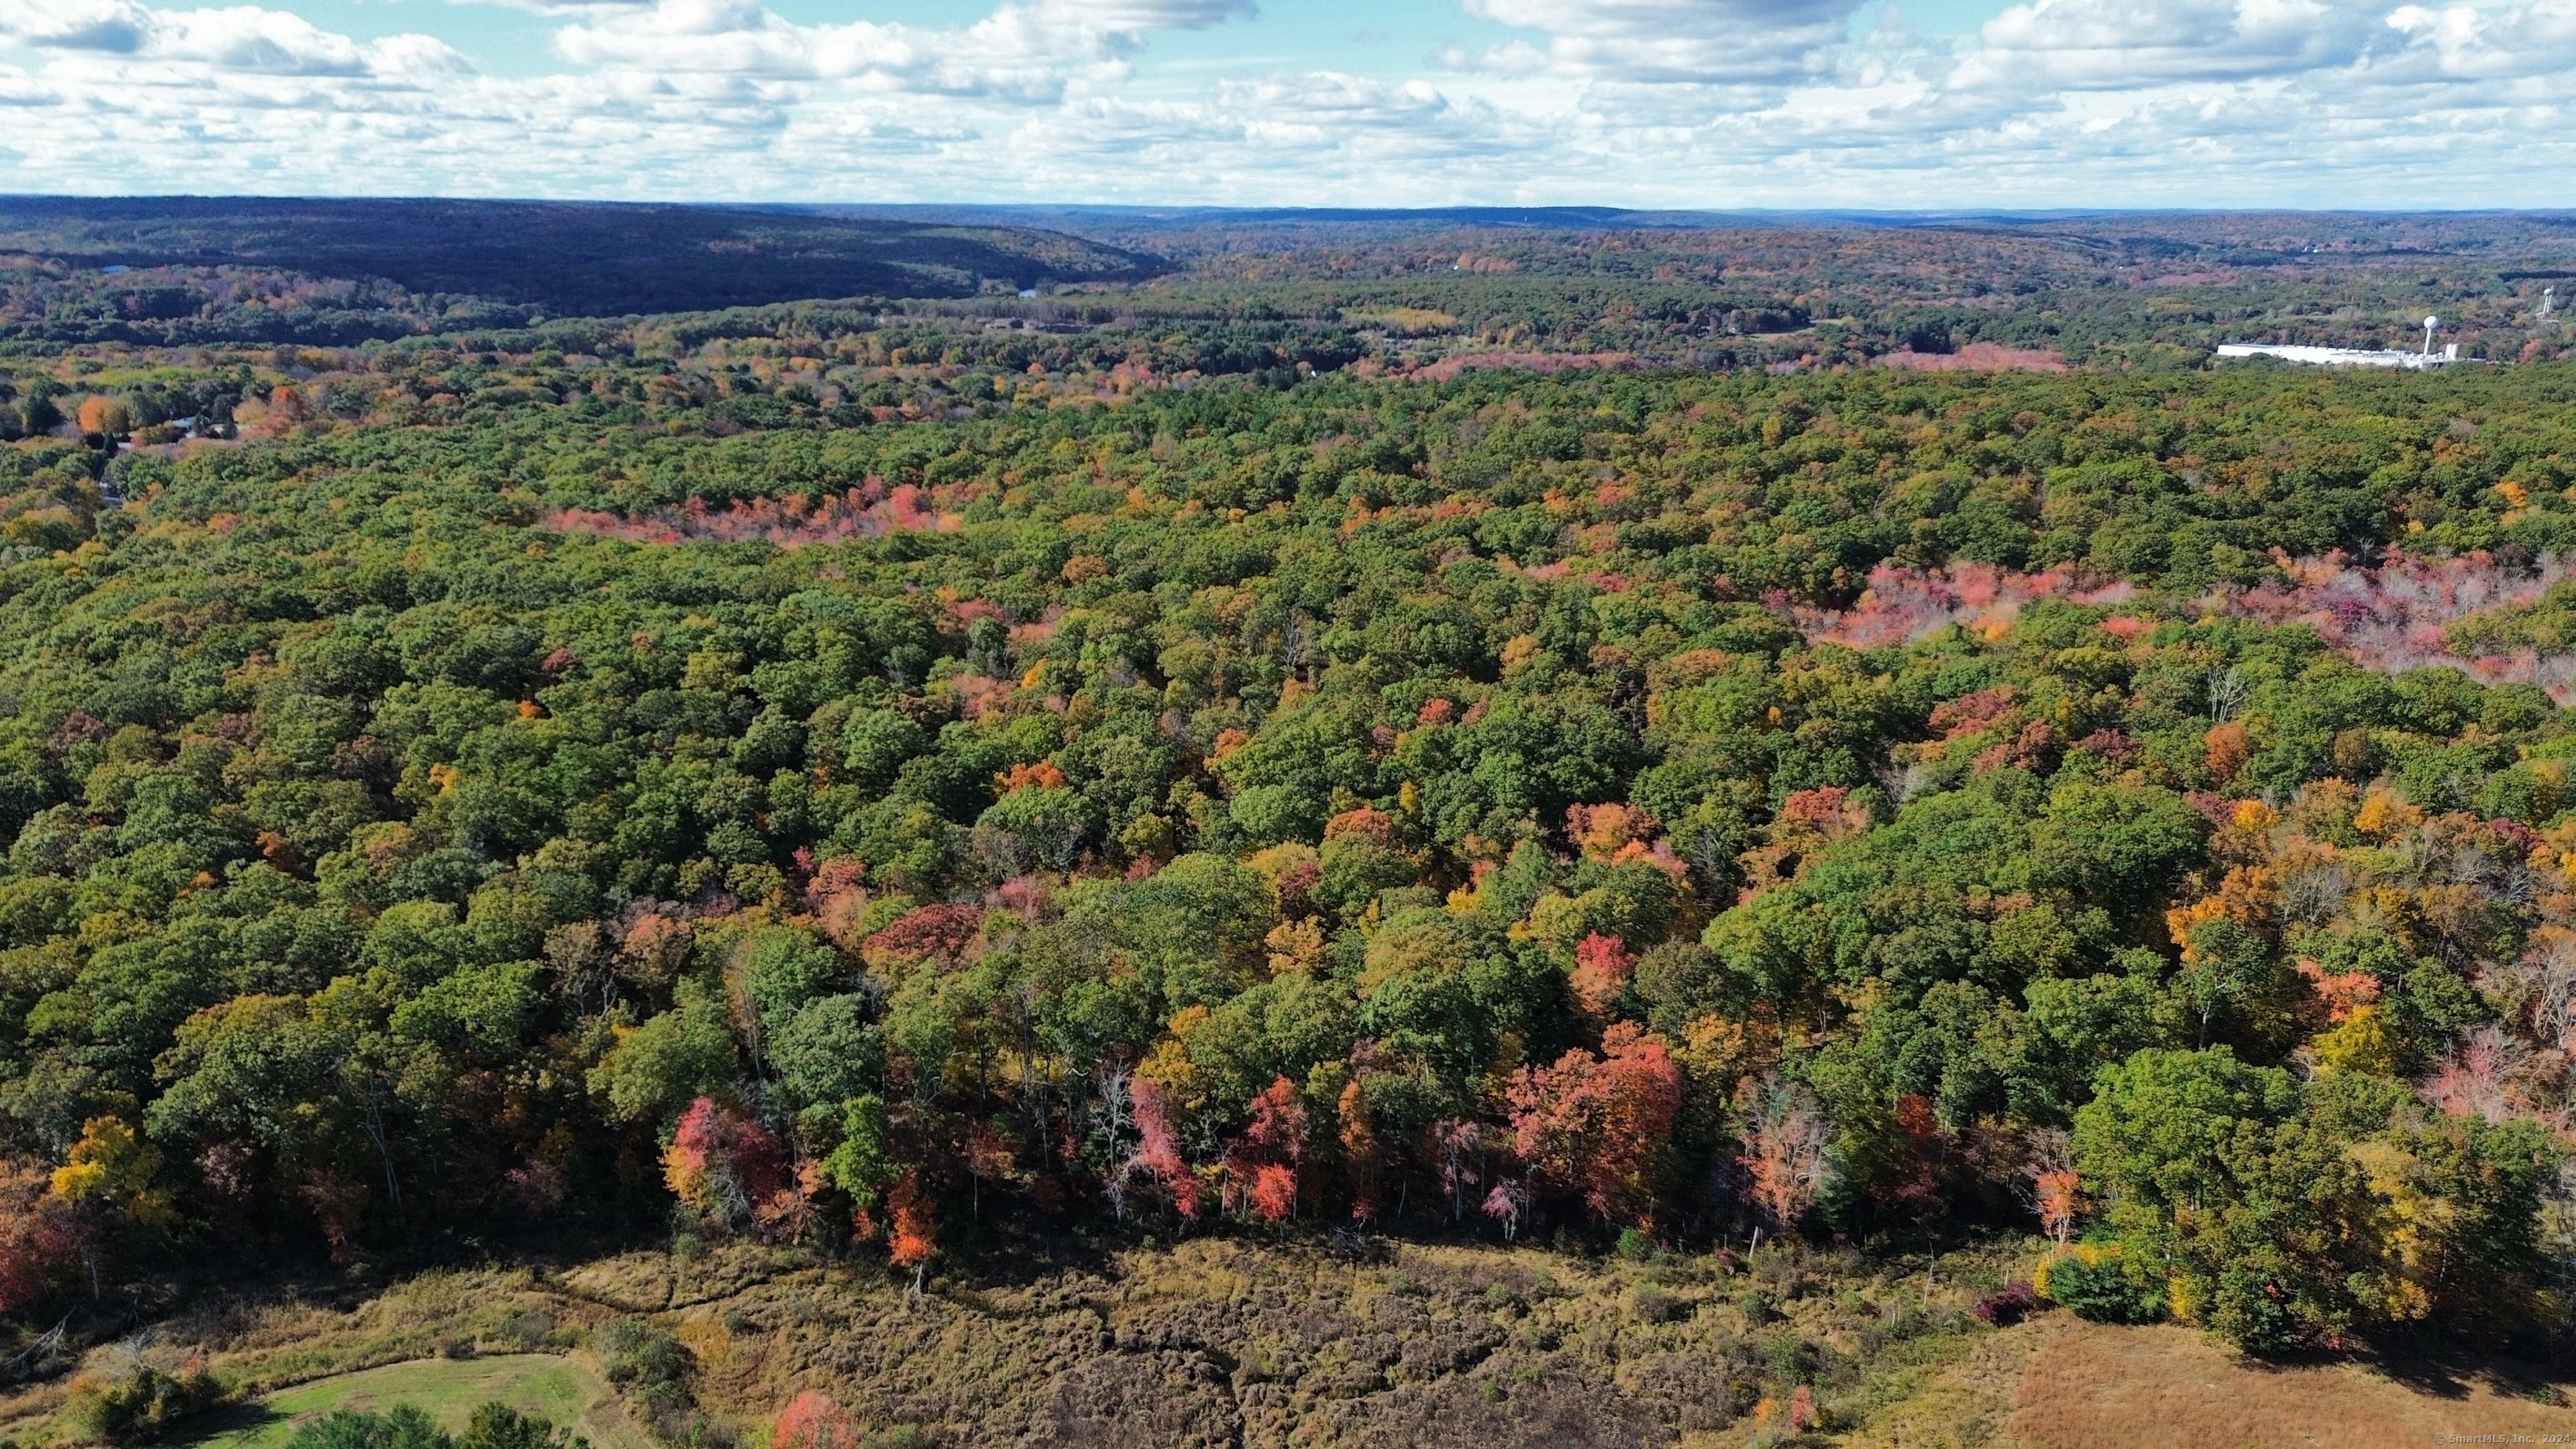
680 1055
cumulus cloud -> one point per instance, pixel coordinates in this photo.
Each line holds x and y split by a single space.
116 26
1143 17
1336 124
240 38
1658 41
2118 44
1023 54
2459 42
1706 103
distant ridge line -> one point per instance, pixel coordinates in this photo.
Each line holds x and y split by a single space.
1618 217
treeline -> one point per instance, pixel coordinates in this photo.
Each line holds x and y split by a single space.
58 303
131 407
1391 803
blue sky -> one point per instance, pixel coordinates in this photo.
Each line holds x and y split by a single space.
1666 103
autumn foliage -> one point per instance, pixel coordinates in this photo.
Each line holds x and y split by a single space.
39 1239
723 1164
1520 805
1785 1158
1602 967
812 1420
1262 1164
914 1238
1598 1126
1158 1151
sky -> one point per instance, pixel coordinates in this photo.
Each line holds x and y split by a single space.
1700 104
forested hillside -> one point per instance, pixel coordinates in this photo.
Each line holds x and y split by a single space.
1730 290
1222 292
547 256
1432 808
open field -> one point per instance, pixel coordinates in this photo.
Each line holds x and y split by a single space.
2089 1384
1225 1342
2059 1382
561 1390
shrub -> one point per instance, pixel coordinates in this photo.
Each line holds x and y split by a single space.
656 1366
138 1404
2007 1305
2097 1281
637 1353
812 1420
498 1426
404 1426
495 1425
529 1328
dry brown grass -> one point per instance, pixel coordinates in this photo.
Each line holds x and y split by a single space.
2088 1385
1309 1345
1965 1402
1228 1341
1213 1341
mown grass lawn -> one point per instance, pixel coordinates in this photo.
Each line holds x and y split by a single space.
567 1391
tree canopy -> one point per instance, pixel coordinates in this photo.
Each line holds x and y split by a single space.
1361 800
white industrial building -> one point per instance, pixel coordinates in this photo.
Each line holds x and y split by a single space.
2351 356
2343 356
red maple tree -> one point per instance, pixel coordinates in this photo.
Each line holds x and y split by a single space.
1261 1165
1599 1125
722 1163
1602 967
1158 1148
943 931
915 1238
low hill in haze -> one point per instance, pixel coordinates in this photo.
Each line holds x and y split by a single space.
589 259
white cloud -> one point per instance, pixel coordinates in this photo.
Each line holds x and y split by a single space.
2123 44
240 38
1662 41
1137 18
109 25
2461 42
1023 54
1651 102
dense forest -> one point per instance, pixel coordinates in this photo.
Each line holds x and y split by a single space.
582 259
2109 289
1205 291
637 777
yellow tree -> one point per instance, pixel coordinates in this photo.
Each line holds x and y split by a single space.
112 1173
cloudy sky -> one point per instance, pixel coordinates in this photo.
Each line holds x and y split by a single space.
1683 103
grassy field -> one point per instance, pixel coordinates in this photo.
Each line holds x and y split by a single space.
563 1390
2090 1384
2058 1382
1268 1345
